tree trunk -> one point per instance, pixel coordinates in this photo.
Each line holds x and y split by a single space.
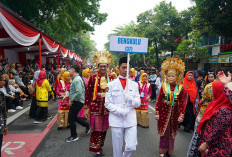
157 54
144 60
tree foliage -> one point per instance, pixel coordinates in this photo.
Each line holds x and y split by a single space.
190 48
81 44
163 25
216 15
59 18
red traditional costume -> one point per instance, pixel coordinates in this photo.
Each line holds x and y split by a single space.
95 100
170 105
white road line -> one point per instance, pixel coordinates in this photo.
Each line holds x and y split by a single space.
151 108
15 116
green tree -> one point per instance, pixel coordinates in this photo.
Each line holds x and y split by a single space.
190 48
82 44
163 25
216 15
59 18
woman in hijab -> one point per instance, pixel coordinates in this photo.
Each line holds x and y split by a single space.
43 90
216 125
58 78
145 94
85 76
33 107
114 75
62 91
206 99
191 90
132 74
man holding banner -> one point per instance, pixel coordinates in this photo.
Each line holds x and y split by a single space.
122 97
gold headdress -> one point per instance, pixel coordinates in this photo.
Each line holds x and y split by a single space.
173 66
103 57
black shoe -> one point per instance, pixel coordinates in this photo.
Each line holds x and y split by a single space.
59 128
167 155
87 131
49 117
72 139
101 152
98 155
187 130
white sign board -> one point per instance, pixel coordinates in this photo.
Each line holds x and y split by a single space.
128 44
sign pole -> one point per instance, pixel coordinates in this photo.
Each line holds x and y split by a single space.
127 75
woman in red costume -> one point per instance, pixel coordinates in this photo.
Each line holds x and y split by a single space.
170 104
216 125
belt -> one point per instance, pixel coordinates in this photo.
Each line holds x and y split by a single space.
101 94
170 102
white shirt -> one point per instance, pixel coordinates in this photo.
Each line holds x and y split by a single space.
115 102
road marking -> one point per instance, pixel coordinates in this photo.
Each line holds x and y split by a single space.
18 145
15 116
151 108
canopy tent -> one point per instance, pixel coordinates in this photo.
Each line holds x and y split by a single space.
19 36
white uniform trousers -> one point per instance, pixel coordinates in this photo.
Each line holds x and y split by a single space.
130 136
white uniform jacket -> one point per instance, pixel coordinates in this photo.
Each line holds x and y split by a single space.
122 114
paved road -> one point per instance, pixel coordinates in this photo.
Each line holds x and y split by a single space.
53 144
148 141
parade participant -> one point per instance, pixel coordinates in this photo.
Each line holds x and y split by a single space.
116 70
158 84
138 76
227 83
62 90
210 77
145 94
95 100
200 83
152 81
170 104
85 76
114 75
33 107
43 90
216 125
58 78
76 102
132 74
121 103
191 94
195 142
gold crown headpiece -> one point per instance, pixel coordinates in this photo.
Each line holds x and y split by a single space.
103 57
175 66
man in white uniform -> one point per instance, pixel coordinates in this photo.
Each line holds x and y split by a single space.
122 118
